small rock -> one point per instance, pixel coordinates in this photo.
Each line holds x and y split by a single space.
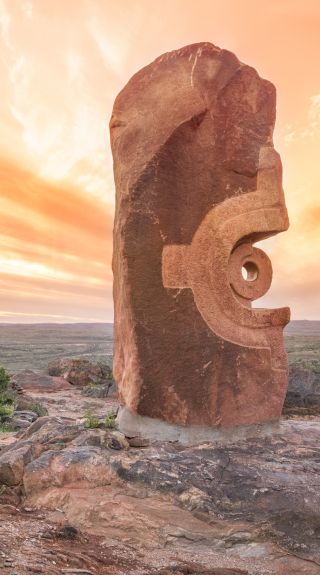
8 509
26 415
138 441
94 437
17 424
67 532
116 440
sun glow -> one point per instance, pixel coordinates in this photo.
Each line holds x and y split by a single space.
62 64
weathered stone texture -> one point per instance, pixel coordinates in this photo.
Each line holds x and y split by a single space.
197 183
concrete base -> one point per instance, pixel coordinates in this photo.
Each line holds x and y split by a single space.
133 425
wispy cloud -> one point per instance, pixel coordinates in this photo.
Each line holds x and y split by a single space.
27 9
53 102
55 243
5 22
61 66
309 128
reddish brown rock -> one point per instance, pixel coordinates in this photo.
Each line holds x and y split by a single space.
198 182
28 380
81 372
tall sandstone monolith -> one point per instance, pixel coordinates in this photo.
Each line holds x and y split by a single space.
198 182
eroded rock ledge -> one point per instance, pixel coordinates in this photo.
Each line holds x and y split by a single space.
253 503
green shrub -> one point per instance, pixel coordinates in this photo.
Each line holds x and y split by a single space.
110 419
4 379
6 410
88 386
7 400
91 421
7 397
7 428
39 409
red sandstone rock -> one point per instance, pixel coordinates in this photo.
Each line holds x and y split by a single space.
198 182
28 380
80 372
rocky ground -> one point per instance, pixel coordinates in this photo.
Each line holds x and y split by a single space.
79 500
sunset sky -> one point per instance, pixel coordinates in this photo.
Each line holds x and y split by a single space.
62 63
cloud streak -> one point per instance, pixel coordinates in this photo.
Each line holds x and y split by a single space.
55 243
61 66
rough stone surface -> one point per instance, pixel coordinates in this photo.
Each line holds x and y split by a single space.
28 380
197 183
12 465
42 435
81 372
254 502
26 402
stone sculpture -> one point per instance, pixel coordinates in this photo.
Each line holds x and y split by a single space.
198 182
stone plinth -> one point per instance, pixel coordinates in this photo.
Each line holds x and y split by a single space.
198 182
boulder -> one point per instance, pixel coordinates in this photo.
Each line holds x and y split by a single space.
21 419
27 415
42 435
81 372
17 424
28 380
74 465
12 464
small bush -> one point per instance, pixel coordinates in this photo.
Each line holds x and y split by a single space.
88 387
4 379
91 420
7 428
6 410
7 397
7 401
39 409
110 419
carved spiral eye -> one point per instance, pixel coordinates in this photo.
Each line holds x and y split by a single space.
250 272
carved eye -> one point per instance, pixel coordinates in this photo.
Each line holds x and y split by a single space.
250 271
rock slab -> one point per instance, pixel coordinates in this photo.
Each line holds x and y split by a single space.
80 372
198 182
256 501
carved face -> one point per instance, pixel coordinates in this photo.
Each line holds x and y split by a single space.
198 183
221 253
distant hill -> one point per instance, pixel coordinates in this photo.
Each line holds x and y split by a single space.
303 327
33 346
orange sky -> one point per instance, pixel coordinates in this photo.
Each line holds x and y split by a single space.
62 63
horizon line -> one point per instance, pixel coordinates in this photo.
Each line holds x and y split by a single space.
102 322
